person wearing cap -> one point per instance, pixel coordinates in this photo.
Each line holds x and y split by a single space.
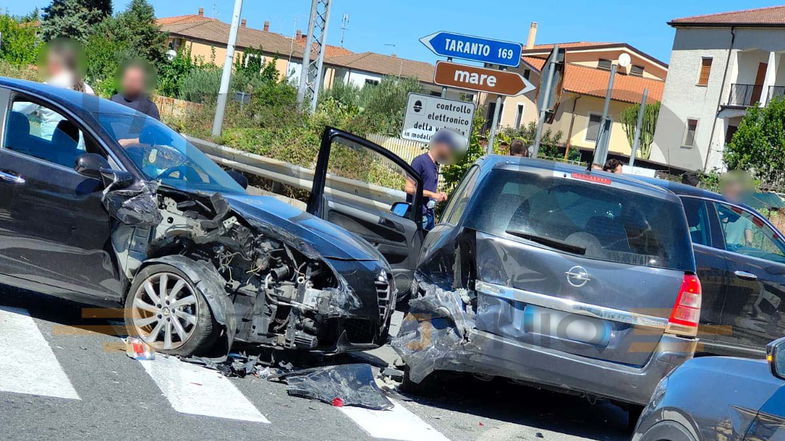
445 144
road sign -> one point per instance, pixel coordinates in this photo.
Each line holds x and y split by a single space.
479 49
555 64
481 79
426 114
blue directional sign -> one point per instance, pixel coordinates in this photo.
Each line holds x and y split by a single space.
483 50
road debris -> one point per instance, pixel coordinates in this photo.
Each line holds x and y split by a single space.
138 349
341 385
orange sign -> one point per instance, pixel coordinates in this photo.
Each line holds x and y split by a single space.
498 82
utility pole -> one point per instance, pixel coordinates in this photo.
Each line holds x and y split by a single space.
495 122
311 74
637 142
226 78
601 145
546 100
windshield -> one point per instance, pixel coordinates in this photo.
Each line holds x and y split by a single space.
588 219
164 155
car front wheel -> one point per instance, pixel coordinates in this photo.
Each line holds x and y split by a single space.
167 310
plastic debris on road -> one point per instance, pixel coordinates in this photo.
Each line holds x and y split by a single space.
138 349
341 385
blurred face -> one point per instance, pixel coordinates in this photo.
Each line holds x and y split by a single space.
441 152
54 64
618 169
134 81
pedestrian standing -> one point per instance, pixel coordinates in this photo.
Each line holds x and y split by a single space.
136 80
445 145
518 148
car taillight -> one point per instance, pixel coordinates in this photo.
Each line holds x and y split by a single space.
686 313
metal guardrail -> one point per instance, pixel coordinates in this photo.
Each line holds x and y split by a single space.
744 94
343 189
776 92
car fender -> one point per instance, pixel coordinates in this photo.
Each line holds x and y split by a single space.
210 283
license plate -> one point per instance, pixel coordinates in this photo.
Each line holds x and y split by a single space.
566 326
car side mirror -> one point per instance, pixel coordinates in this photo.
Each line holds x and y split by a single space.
400 208
775 354
90 165
239 178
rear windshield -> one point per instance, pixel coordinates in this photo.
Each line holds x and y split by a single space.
593 220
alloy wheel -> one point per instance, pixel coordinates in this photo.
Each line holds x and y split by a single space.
165 311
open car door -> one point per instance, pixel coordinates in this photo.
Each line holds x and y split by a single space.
359 186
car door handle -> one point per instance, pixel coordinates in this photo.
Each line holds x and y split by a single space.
8 177
745 275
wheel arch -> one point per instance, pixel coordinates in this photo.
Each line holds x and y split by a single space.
206 278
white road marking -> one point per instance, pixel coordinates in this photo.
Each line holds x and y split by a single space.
397 423
196 390
27 363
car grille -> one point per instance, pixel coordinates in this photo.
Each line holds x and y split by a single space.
384 296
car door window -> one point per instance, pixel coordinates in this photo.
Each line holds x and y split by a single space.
358 175
461 197
697 220
747 234
39 131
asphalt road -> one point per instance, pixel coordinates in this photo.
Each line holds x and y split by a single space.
64 375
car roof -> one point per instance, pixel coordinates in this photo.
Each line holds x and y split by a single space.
490 162
82 104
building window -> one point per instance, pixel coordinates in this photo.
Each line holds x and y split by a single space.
593 129
689 135
604 64
527 73
519 116
703 78
636 71
729 133
370 82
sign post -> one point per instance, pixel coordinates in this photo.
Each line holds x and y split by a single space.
483 50
637 142
426 114
552 72
494 123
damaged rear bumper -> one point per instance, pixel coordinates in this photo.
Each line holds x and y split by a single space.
439 335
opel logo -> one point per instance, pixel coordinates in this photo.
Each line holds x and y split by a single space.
577 276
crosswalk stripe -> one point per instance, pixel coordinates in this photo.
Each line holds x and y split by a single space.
196 390
397 423
27 363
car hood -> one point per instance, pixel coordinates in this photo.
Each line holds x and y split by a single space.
310 232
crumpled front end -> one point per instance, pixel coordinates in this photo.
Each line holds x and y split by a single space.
279 290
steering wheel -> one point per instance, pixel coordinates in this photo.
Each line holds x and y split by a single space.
187 173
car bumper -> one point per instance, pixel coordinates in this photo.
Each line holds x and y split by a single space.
493 355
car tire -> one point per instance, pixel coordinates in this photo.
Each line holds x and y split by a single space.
185 324
667 431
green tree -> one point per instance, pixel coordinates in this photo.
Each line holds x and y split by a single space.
73 18
20 45
629 119
758 146
137 27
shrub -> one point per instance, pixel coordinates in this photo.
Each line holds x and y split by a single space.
20 44
758 146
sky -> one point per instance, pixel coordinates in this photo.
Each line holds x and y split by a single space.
395 26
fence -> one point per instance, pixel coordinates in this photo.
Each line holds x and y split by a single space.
174 107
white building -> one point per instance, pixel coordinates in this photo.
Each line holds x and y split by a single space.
720 65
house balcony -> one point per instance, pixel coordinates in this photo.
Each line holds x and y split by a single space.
744 95
776 92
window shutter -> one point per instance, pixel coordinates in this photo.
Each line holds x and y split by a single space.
703 79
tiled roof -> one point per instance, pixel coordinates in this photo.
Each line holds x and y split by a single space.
535 62
571 45
594 82
772 16
385 65
215 31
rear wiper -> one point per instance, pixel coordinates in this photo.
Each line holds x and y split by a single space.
553 243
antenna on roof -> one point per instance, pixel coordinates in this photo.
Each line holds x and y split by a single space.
344 26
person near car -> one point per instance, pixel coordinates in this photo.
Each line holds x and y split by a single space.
445 145
613 166
738 228
134 92
62 67
517 148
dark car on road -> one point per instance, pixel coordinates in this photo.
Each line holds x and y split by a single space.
550 274
108 206
719 399
740 258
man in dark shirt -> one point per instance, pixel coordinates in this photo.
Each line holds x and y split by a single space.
134 91
444 146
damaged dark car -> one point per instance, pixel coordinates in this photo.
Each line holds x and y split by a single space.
107 206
